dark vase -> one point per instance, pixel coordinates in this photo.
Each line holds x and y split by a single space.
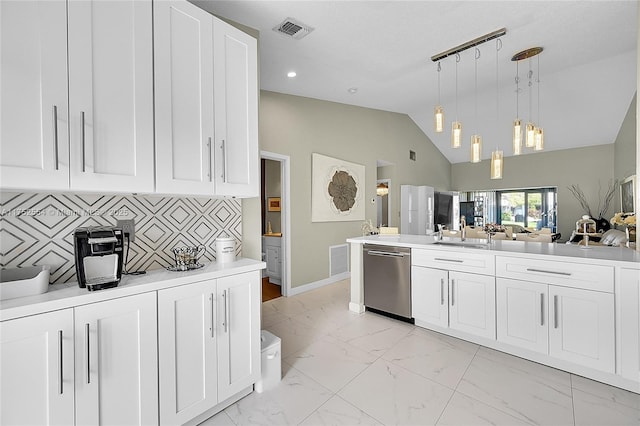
602 224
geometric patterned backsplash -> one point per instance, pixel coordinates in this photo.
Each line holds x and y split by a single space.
37 229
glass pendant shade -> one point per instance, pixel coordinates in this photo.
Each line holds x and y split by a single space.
530 140
456 134
517 137
476 148
439 119
382 189
539 139
497 163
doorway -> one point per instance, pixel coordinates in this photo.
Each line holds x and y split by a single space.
276 226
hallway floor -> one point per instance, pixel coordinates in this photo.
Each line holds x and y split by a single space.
342 368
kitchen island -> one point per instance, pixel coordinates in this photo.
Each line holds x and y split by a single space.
562 305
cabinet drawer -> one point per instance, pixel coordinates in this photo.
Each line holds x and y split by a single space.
576 275
478 263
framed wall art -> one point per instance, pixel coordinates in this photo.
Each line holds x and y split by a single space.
627 195
337 189
273 204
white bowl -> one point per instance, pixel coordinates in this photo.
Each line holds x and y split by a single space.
20 282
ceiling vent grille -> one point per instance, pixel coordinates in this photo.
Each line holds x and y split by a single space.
293 28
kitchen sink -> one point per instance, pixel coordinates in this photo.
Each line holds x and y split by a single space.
470 243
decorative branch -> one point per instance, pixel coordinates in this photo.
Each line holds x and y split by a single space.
582 199
606 201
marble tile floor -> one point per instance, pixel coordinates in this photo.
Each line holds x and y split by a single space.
341 368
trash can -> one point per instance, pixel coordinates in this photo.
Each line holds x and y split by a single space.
270 361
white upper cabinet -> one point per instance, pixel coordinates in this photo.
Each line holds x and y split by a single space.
34 141
236 111
184 98
111 95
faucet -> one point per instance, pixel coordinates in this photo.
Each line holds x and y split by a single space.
463 228
440 227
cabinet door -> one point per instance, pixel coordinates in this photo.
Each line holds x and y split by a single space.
111 95
36 366
116 362
430 295
187 351
34 137
582 327
273 261
238 333
236 111
522 314
472 304
183 35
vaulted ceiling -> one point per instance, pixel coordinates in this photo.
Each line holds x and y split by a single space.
383 48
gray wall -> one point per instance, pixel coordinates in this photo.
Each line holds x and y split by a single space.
297 127
589 167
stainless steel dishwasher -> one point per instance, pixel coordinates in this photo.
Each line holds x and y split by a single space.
387 279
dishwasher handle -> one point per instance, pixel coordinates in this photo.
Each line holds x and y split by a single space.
386 253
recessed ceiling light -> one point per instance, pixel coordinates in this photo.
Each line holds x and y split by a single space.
291 74
352 90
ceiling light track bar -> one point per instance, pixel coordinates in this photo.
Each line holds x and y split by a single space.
468 45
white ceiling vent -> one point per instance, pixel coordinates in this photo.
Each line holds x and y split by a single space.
293 28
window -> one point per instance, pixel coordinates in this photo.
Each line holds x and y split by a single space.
532 209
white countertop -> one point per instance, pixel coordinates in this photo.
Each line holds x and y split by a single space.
601 255
67 295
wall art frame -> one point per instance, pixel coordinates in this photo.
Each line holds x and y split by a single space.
628 202
337 190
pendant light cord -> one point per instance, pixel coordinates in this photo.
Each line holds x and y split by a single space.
476 87
457 60
439 68
498 47
530 91
538 86
517 91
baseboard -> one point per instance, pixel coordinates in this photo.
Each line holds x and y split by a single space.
317 284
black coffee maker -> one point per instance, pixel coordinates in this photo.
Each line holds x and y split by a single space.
98 253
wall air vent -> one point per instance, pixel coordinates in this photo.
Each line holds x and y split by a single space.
293 28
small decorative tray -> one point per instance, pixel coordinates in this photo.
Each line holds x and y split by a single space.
182 268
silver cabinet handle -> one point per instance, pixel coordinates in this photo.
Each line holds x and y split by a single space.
549 272
55 135
82 139
449 260
453 290
224 161
210 158
60 372
88 352
555 311
442 291
224 301
212 316
541 308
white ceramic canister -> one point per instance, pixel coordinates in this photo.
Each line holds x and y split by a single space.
225 250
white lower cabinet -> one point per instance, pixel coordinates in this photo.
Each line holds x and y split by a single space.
209 342
566 323
187 351
116 362
36 370
458 300
239 333
472 304
581 328
522 314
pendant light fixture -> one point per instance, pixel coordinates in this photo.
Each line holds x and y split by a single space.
517 124
456 126
439 111
476 140
497 157
530 129
538 133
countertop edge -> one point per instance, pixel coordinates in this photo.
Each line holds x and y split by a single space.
69 295
620 256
